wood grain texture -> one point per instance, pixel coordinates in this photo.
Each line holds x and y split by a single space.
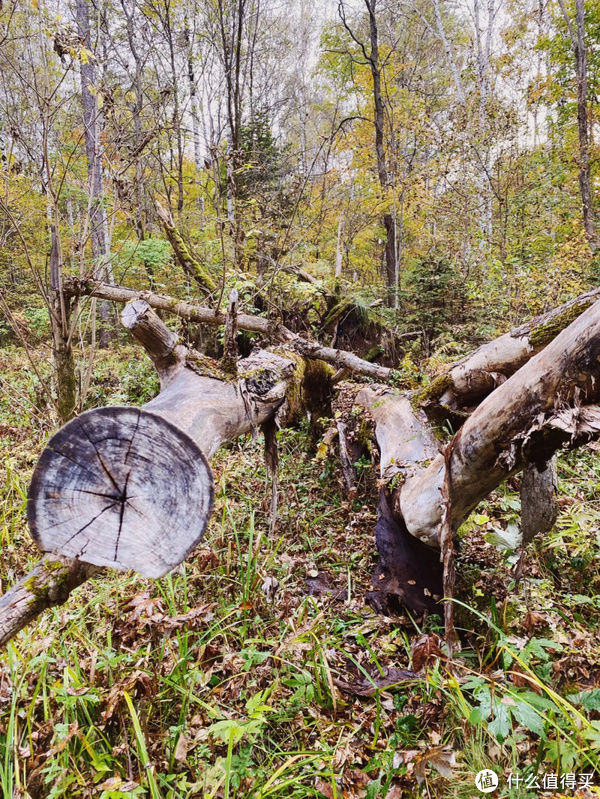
121 487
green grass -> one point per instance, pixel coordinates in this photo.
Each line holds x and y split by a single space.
196 685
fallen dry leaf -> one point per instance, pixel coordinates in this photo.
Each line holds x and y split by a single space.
363 686
441 758
425 651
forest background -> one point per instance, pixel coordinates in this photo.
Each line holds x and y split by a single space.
401 179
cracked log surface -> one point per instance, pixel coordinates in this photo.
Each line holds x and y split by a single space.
121 487
130 488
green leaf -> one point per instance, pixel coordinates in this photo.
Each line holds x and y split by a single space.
501 726
529 718
590 700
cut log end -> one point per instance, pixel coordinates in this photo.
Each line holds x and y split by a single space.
123 488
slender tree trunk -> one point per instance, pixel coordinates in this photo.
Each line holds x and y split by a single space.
193 98
232 22
339 250
389 222
581 74
130 16
585 181
176 104
62 350
97 219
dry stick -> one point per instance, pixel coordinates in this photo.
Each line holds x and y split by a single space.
448 553
347 467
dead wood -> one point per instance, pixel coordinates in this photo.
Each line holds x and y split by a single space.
49 584
130 488
431 489
469 380
272 330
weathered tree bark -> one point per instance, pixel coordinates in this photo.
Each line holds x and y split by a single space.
190 265
131 488
469 380
272 330
408 572
229 362
524 418
62 350
546 404
49 584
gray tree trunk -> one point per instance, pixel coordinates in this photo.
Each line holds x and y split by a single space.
97 213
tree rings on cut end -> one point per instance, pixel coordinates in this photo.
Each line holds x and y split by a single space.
121 487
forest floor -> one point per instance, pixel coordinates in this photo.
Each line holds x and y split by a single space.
257 670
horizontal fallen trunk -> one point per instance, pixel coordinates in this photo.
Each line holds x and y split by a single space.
462 385
466 382
273 331
130 488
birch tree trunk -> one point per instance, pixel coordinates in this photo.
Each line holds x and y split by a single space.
98 223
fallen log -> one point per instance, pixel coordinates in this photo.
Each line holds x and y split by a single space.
517 419
469 380
544 406
113 482
131 488
462 384
272 330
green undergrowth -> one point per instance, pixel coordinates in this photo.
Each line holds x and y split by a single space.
228 678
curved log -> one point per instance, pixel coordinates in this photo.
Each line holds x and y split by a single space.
479 373
521 418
